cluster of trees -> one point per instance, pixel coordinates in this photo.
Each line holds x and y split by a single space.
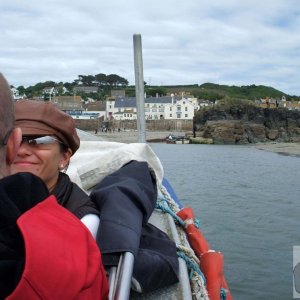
104 82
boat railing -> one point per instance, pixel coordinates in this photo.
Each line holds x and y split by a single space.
120 278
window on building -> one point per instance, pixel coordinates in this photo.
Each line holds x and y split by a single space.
170 115
186 109
186 115
178 116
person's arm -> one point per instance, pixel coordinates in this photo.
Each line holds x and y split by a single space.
92 222
125 199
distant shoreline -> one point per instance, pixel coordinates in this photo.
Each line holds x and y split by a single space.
292 149
131 136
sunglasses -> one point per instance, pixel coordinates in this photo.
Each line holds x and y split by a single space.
39 141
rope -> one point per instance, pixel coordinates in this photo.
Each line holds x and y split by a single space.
197 279
192 266
172 207
163 205
223 294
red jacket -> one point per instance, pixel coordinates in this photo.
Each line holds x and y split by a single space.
63 260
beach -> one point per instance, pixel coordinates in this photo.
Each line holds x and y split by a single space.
131 136
159 136
281 148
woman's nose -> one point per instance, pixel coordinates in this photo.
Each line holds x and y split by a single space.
25 148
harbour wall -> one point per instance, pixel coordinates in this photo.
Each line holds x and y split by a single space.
151 125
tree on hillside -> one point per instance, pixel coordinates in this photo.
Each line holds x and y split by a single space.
116 80
101 79
68 86
21 89
88 80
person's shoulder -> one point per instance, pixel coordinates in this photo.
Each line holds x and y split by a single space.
24 189
23 179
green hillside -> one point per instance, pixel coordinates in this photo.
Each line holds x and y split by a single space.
212 91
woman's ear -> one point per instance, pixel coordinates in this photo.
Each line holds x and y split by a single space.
13 145
66 157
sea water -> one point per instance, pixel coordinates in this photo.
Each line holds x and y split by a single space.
248 204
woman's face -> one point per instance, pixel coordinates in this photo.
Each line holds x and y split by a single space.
42 157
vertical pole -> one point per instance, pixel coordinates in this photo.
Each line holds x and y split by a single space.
139 88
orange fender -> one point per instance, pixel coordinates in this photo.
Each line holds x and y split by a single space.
212 266
197 240
195 237
211 262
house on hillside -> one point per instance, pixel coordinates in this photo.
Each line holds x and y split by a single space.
117 93
72 105
94 110
16 95
85 89
49 92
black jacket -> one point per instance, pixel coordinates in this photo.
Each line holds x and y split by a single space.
126 200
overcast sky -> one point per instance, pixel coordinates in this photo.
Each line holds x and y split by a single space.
232 42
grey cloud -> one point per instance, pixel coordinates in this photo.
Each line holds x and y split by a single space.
228 42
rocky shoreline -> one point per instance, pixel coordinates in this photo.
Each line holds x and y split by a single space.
247 124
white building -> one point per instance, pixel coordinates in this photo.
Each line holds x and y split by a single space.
156 108
180 109
16 95
122 109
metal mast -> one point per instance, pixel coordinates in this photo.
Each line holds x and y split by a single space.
139 88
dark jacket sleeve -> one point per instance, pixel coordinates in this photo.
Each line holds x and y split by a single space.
125 199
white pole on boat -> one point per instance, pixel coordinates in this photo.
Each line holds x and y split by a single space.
124 274
139 87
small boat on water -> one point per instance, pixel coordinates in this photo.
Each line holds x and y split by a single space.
177 139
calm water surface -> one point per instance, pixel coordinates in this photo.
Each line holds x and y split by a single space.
248 204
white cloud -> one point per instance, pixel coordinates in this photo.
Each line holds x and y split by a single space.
229 42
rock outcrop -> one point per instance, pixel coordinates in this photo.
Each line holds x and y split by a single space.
247 124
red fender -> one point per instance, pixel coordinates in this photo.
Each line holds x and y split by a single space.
212 266
195 237
211 262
